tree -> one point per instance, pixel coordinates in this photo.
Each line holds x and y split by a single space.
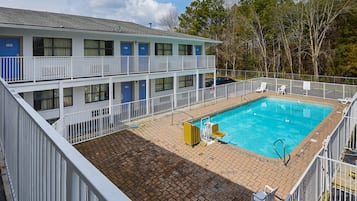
257 17
319 15
170 21
204 18
284 14
344 43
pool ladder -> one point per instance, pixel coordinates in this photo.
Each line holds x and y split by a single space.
283 158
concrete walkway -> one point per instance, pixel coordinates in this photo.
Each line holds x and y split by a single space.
152 162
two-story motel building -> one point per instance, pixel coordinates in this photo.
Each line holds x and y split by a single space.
63 63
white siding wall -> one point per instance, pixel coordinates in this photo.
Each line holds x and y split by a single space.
78 50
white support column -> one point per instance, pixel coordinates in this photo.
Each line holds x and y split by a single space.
214 83
60 95
197 85
110 95
175 90
147 94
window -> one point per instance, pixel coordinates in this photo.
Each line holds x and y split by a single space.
52 46
185 49
49 99
67 97
98 48
163 49
95 93
163 84
185 81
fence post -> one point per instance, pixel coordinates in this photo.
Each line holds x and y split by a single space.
189 100
226 88
152 108
127 65
149 65
129 111
343 91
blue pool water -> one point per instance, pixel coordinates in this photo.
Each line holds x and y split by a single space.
257 125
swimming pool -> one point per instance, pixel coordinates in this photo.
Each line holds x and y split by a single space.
255 126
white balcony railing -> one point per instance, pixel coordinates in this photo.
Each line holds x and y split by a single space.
39 163
32 69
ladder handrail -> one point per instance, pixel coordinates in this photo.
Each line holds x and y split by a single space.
284 149
202 126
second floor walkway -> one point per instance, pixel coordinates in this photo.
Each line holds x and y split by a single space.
32 69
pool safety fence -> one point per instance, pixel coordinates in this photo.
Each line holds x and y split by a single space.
247 75
86 125
331 175
40 164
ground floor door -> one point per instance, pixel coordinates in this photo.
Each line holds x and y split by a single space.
127 92
142 89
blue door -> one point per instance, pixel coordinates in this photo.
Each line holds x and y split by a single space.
10 67
127 92
126 53
198 54
143 57
198 50
142 93
142 89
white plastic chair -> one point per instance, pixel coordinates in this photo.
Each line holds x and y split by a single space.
267 194
262 88
345 100
282 89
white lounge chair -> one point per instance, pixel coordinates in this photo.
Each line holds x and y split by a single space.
345 100
282 89
267 194
262 88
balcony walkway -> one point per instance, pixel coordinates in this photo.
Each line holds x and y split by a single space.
153 163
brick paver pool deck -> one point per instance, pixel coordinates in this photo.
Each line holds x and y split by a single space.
152 162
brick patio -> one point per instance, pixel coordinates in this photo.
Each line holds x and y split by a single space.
152 162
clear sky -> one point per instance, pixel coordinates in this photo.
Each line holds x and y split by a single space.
139 11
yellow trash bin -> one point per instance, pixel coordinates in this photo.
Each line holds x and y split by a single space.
191 134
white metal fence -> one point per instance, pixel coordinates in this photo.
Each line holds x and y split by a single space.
40 164
246 75
332 173
86 125
32 69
